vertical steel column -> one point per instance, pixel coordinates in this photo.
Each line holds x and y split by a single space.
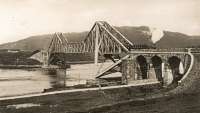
96 54
45 57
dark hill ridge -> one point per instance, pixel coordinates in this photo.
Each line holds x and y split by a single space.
30 43
137 35
173 40
178 40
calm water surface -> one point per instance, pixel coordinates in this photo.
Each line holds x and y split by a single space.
20 81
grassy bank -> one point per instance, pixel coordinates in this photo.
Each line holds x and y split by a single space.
82 101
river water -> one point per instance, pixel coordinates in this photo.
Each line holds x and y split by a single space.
20 81
28 81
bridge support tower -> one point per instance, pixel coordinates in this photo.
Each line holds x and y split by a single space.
45 57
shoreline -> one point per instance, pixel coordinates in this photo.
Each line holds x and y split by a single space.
76 90
19 66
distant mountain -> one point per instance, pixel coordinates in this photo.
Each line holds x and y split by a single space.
40 42
30 43
173 40
137 35
178 40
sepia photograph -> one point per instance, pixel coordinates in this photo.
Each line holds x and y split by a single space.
99 56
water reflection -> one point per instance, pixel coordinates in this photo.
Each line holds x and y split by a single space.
57 82
19 81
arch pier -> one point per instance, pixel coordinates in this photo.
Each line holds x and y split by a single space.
155 65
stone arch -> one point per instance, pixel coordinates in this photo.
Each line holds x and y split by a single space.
142 67
157 65
174 63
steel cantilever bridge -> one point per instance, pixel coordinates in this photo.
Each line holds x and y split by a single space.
102 39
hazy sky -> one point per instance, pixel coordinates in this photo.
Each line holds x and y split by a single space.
22 18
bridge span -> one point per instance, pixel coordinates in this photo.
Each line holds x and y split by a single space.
146 73
104 40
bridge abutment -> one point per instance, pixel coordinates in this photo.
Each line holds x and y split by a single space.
165 67
45 57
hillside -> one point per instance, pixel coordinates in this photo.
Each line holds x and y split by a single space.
40 42
173 40
137 35
30 43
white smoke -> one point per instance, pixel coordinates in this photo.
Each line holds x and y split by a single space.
156 34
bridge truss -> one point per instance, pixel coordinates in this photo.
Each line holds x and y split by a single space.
102 39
